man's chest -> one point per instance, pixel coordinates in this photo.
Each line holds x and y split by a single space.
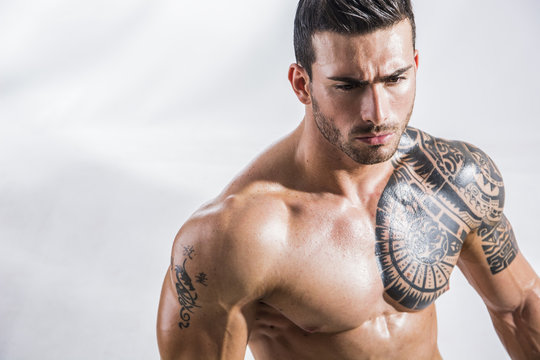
347 265
419 235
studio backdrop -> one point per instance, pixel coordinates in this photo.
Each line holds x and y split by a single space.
119 118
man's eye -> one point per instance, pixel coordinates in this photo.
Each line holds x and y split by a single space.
345 87
395 79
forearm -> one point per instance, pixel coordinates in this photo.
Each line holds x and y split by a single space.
519 330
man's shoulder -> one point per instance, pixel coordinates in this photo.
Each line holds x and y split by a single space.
242 233
455 166
256 206
438 147
240 216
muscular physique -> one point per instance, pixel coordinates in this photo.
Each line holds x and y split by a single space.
309 255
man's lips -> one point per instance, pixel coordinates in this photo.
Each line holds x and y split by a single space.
375 139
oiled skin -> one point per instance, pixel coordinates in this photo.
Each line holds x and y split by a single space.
391 336
321 294
308 254
295 272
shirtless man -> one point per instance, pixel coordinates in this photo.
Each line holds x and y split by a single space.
336 242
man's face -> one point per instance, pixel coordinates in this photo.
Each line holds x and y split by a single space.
363 89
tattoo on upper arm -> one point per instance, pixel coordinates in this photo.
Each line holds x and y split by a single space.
188 251
187 293
499 244
202 279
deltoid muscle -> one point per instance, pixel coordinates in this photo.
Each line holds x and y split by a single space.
439 192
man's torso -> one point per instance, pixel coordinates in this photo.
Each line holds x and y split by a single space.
358 279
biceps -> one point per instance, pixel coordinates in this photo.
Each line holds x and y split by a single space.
191 329
498 244
491 262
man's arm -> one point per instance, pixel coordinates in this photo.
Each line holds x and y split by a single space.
210 290
494 266
198 329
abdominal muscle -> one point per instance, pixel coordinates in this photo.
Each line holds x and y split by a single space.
392 335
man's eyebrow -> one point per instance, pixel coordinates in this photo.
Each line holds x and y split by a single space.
396 73
355 81
349 80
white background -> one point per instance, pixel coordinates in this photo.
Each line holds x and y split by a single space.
119 118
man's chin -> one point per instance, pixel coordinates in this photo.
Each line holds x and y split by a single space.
372 161
371 156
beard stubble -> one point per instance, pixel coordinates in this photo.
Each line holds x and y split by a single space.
373 154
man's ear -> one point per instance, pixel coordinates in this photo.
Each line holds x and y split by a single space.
416 59
299 79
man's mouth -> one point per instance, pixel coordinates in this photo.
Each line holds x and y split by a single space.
375 139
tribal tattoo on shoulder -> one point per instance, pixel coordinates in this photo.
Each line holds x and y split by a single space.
187 293
439 192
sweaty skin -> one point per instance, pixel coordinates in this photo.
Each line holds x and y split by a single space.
336 242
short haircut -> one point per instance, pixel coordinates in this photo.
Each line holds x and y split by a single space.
354 17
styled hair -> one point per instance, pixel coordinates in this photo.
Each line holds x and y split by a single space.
354 17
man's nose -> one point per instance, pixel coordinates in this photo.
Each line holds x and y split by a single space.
374 104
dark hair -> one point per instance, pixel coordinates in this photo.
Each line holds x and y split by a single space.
353 17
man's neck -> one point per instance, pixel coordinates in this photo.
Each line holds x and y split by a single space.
326 168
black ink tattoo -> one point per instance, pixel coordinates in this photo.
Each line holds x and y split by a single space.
187 294
202 278
499 244
188 251
439 191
